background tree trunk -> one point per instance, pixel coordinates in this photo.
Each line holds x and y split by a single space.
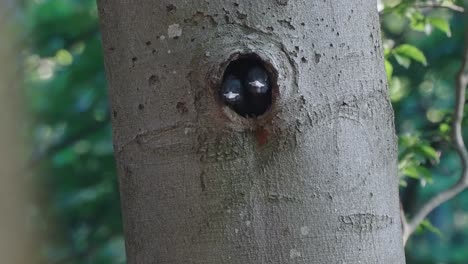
312 181
16 235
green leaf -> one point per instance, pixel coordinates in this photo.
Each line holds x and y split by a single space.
410 51
398 89
441 24
411 172
417 20
428 152
427 225
418 172
402 183
388 69
408 140
425 173
403 61
444 128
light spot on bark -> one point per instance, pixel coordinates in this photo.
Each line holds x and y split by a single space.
236 231
305 230
247 223
174 31
294 253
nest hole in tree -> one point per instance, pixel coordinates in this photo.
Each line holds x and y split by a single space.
248 85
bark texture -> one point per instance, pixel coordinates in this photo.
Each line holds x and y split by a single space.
312 181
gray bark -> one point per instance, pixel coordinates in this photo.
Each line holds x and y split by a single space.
312 181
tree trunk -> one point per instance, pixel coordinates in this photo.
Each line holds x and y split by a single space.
313 180
16 240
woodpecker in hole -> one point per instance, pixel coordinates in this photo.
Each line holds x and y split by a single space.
258 90
232 93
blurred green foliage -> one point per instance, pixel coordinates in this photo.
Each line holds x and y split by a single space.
77 207
423 47
78 211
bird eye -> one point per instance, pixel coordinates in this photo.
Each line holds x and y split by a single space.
246 86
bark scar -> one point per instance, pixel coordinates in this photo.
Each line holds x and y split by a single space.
261 135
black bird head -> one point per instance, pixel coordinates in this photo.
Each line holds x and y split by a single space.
257 81
232 90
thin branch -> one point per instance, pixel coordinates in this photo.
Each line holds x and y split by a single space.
458 143
426 5
404 222
435 5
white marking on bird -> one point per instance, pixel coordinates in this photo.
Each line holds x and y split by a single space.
257 84
230 95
